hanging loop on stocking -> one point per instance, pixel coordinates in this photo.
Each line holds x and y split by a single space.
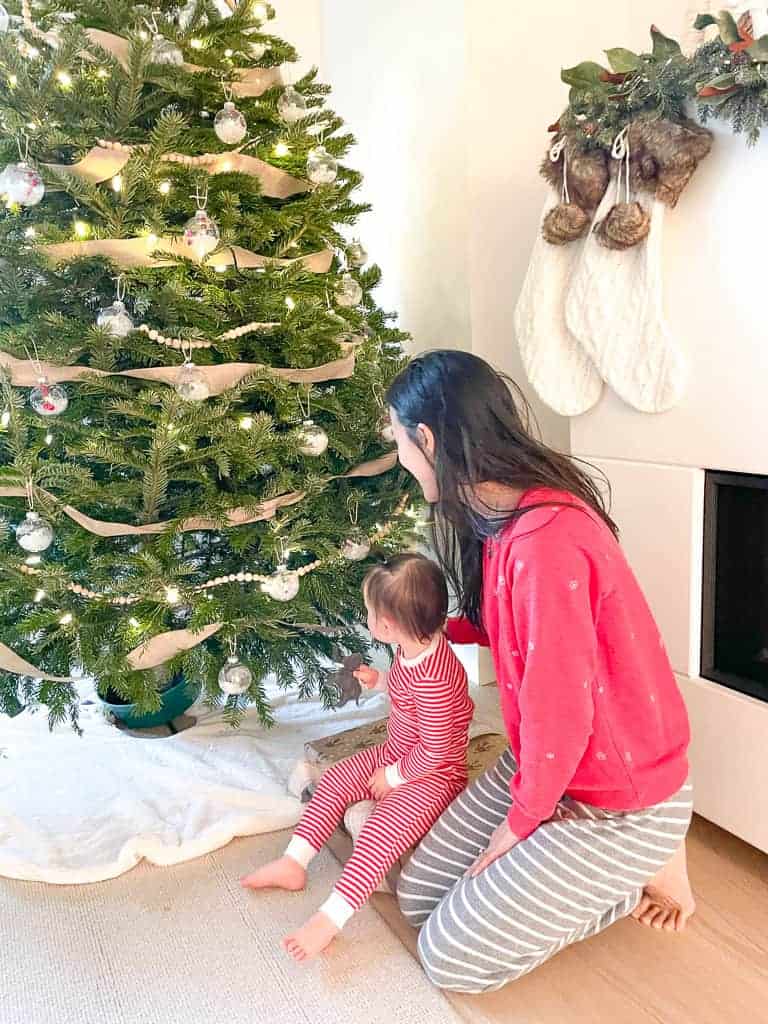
567 221
620 152
557 150
627 223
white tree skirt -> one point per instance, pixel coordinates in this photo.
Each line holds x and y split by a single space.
84 809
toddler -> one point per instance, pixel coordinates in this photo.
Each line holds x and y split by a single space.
414 776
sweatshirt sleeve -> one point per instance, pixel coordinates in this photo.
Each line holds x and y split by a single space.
434 715
462 631
555 603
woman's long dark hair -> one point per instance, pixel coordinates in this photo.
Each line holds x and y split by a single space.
484 433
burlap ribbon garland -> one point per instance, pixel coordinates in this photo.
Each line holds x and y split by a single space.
11 662
220 377
165 646
250 82
139 252
107 159
234 517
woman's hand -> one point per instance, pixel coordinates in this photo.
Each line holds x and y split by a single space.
501 842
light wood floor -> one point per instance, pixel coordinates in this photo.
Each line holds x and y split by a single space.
714 973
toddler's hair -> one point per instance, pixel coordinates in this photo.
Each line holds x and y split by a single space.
410 590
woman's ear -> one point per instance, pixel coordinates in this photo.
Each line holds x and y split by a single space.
426 440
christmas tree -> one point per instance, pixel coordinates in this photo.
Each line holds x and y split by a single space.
195 464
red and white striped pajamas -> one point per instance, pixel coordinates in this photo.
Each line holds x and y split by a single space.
425 758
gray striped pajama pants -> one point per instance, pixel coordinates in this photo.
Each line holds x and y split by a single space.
574 876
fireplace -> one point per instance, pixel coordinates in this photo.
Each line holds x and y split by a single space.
734 635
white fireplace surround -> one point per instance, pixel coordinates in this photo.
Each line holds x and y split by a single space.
714 280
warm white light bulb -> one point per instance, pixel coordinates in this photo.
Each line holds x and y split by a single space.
228 53
117 183
65 619
196 44
102 73
282 149
13 80
246 422
81 229
133 623
164 188
290 302
172 595
5 419
39 596
30 233
49 438
64 79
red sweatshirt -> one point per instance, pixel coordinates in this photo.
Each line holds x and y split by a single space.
589 699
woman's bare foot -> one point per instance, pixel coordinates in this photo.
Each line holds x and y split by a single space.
667 901
312 938
283 873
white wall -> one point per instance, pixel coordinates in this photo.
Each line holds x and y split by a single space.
450 101
514 92
397 71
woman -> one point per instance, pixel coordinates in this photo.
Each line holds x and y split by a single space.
583 820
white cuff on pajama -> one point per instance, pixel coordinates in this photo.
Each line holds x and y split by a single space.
337 909
300 850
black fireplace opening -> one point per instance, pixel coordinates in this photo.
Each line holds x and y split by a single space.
734 636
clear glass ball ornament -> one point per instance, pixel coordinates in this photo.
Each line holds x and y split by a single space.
235 677
115 319
356 547
348 292
283 586
230 125
356 255
322 169
22 184
291 106
165 52
191 383
201 234
34 534
313 440
48 399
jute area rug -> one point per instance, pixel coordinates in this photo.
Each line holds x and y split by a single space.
185 945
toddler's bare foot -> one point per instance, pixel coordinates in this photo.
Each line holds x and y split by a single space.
312 938
667 901
283 873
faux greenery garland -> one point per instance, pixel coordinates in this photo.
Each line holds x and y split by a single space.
726 77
